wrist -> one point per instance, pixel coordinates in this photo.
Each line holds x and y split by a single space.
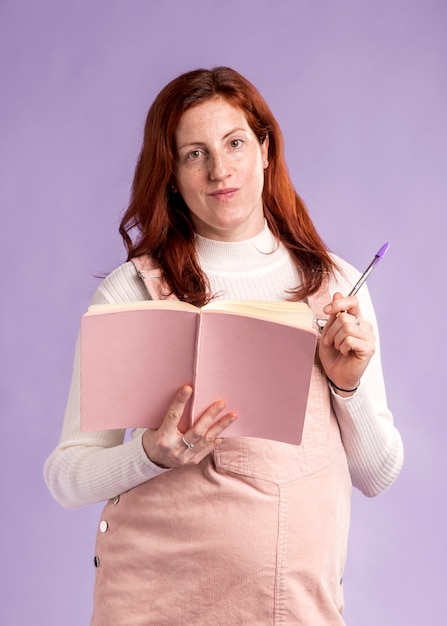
145 444
343 391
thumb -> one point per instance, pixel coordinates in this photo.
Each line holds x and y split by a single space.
176 408
328 308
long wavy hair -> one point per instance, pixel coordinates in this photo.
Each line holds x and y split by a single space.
157 220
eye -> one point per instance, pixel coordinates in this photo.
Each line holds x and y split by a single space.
194 154
236 143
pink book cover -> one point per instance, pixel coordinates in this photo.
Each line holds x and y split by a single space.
132 363
261 369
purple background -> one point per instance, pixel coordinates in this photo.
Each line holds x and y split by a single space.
360 91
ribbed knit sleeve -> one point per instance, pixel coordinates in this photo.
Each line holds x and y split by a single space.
91 467
372 443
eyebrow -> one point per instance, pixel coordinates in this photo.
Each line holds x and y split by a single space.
201 143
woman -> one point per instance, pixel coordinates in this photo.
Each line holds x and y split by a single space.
201 528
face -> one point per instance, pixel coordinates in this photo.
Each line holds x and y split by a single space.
220 171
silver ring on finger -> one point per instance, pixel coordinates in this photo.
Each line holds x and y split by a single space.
190 446
357 321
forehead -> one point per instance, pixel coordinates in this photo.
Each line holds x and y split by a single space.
214 115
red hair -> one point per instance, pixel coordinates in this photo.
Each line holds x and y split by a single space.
157 221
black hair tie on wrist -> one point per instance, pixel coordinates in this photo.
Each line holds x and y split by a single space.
340 389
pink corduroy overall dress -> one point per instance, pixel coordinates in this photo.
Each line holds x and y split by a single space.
254 535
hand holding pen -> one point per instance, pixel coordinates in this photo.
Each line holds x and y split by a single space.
348 341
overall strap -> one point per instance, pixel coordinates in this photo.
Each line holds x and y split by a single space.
150 273
320 299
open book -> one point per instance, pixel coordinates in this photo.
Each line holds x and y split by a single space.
255 355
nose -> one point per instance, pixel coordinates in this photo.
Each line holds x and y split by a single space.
219 169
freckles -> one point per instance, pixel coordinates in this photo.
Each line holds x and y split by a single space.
197 174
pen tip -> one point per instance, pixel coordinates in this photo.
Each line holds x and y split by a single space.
381 253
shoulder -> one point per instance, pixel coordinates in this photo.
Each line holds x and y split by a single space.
121 285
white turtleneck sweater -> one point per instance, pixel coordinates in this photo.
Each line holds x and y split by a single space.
91 467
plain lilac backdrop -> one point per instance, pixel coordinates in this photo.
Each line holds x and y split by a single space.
360 91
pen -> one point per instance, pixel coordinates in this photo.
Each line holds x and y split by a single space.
376 260
379 256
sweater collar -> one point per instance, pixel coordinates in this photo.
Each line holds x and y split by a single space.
257 252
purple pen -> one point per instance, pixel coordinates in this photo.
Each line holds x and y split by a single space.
379 256
376 260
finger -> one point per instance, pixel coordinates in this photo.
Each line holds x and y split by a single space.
338 327
350 332
207 428
176 408
202 424
201 445
342 310
342 304
218 427
346 344
353 338
193 436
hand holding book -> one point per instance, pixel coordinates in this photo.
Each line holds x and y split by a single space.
167 447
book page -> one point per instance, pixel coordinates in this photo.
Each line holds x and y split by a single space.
293 313
141 305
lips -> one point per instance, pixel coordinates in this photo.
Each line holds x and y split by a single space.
224 194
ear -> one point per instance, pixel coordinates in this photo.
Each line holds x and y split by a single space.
265 148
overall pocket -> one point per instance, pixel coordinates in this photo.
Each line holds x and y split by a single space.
279 462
